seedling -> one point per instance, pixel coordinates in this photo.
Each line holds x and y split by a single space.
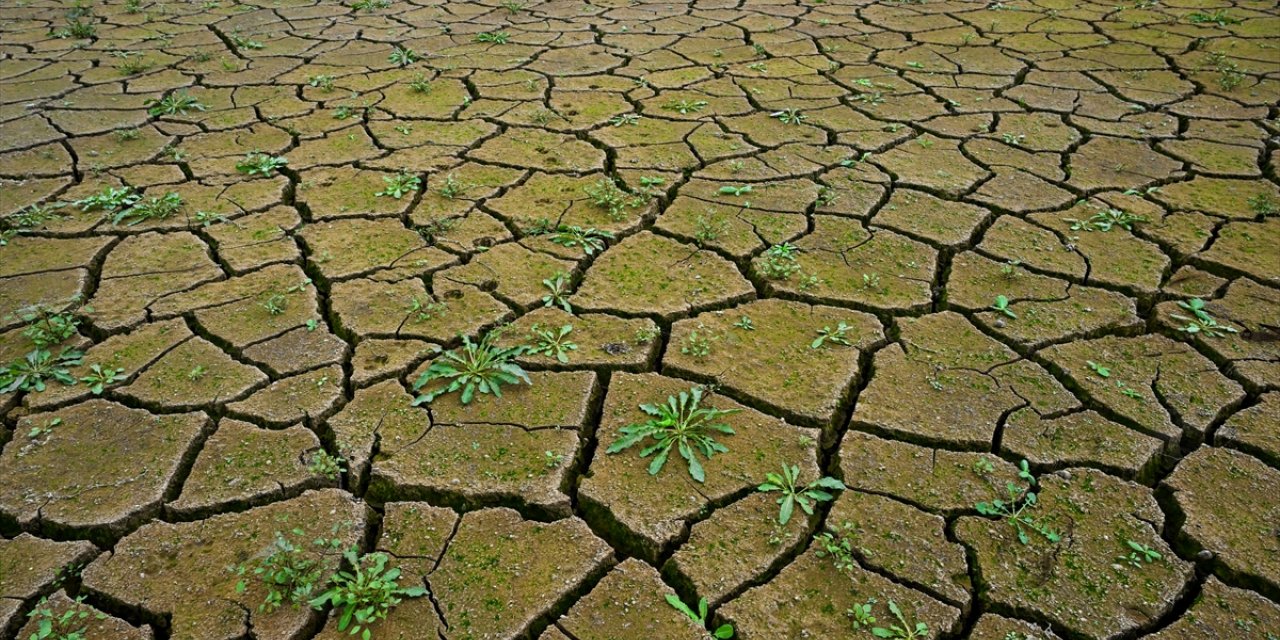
242 42
134 66
329 466
1103 372
1002 305
402 56
289 573
128 134
452 187
731 190
400 184
1201 322
1013 139
839 335
370 5
1264 205
1218 17
780 261
789 116
699 618
260 164
680 423
154 208
605 194
365 594
826 196
709 227
552 343
493 37
321 82
480 366
110 200
591 240
46 328
513 7
793 493
76 29
685 107
344 112
745 324
646 335
275 304
99 378
197 373
903 630
177 103
1009 270
1139 554
871 281
647 183
558 295
1014 511
1106 219
698 343
420 84
625 119
424 308
860 614
37 367
68 625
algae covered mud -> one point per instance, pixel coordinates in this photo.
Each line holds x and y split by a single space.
635 320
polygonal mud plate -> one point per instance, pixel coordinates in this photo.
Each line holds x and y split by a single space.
94 623
501 574
1226 505
1223 612
1085 582
180 571
94 468
631 597
649 521
774 362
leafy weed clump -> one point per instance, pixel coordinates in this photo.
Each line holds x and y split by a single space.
481 366
681 424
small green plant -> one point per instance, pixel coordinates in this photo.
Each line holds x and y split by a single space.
68 625
1139 554
794 493
1015 510
1218 17
734 190
493 37
698 343
683 424
1106 219
76 29
789 116
1100 370
513 7
275 304
399 185
110 200
646 335
480 366
323 82
551 342
558 292
46 327
591 240
38 367
370 5
826 196
197 373
606 194
365 594
452 187
745 324
260 164
420 84
709 227
860 614
288 572
625 119
402 56
839 335
780 261
425 307
132 66
1002 305
344 112
100 377
1201 322
1009 270
1264 205
127 134
329 466
903 630
242 42
700 617
177 103
1013 139
685 107
154 208
133 6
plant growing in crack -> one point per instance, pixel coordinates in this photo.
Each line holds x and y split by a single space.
400 185
329 466
838 335
779 261
100 377
1107 219
289 573
700 617
606 194
1200 322
68 625
793 493
1002 305
482 367
365 594
591 240
153 208
558 292
46 327
38 367
109 200
552 343
1015 510
681 424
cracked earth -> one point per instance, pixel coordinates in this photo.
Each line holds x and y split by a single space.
1040 241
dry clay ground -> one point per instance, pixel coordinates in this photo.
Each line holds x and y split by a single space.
913 244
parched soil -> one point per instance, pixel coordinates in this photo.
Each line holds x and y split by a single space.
1007 272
